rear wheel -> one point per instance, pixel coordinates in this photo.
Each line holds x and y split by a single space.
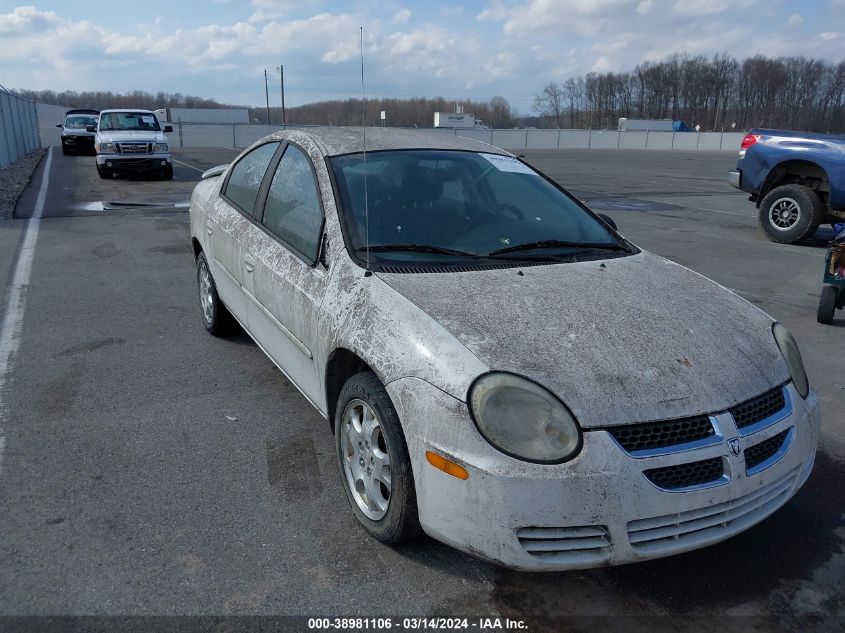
65 150
374 462
790 214
215 316
827 304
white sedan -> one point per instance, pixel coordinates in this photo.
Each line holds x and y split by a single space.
500 367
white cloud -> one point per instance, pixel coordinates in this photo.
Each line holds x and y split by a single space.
697 7
645 6
830 35
401 17
795 19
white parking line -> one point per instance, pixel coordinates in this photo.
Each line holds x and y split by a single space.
187 165
12 324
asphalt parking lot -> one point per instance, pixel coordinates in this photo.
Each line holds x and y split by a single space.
150 468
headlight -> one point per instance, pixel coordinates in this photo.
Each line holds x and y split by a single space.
792 356
523 419
106 148
161 147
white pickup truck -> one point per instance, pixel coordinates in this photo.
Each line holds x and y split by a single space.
132 142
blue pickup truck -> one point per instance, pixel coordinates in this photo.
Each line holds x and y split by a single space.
796 179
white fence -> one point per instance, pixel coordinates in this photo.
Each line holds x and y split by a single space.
239 136
18 127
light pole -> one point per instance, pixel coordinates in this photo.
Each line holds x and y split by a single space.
267 96
282 77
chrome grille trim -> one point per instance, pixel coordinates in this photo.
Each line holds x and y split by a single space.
701 474
714 438
710 523
758 425
775 456
134 148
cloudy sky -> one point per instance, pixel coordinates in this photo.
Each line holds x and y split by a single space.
220 48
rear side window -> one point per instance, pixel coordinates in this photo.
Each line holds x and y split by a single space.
245 179
293 212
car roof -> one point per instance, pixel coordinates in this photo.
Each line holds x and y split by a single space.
81 111
127 110
334 141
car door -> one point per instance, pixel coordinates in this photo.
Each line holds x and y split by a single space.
284 282
230 218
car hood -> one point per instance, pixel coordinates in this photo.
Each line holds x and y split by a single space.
112 136
620 341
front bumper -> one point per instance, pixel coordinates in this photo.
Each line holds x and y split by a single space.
78 141
735 178
598 509
133 163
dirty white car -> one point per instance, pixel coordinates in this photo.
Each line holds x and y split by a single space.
500 367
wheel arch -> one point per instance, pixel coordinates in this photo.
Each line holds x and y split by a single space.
196 247
797 171
341 365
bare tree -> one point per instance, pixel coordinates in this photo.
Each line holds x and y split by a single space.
549 103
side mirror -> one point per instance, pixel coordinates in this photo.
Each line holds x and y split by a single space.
168 128
608 220
90 128
59 125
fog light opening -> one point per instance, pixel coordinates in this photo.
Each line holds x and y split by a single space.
108 164
448 467
163 163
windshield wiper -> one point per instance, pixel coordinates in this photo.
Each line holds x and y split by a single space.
416 248
556 244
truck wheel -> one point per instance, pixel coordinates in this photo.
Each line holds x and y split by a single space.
790 214
827 304
167 173
103 173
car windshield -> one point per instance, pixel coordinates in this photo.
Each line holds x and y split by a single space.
80 121
424 205
128 121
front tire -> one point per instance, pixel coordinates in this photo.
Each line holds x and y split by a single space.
167 173
102 173
215 316
790 214
827 304
374 464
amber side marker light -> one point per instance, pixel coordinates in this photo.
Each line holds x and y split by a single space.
450 468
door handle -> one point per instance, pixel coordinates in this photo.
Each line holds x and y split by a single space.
249 264
209 230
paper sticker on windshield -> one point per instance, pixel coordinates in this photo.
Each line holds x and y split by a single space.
508 163
147 119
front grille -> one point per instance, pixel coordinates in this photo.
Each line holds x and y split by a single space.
566 545
711 523
134 148
654 435
759 453
759 408
686 475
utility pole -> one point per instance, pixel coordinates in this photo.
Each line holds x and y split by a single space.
267 95
282 76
